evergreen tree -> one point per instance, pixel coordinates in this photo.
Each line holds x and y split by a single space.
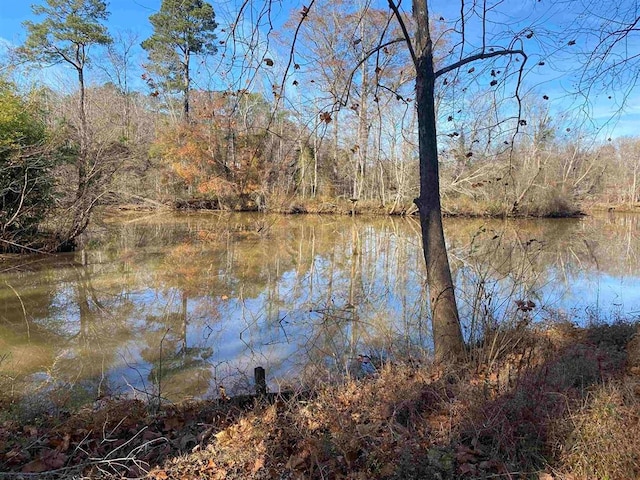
69 29
182 28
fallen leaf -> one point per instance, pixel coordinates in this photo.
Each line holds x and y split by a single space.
464 457
211 465
259 463
173 423
467 468
35 466
488 464
224 436
55 459
367 429
158 474
150 435
296 461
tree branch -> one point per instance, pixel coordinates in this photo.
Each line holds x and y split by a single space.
405 32
479 56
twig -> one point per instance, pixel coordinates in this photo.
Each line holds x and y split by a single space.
24 311
35 250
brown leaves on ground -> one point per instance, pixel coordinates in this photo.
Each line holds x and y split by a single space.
496 419
120 437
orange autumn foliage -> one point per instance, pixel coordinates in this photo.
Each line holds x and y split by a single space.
212 158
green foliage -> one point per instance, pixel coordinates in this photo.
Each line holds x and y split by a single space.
68 29
181 28
26 182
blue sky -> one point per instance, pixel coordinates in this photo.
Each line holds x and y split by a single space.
125 15
132 15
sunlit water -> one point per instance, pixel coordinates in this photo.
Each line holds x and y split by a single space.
179 305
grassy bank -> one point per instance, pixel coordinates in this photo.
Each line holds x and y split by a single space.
456 207
538 402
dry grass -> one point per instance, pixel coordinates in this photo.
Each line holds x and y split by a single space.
544 203
601 437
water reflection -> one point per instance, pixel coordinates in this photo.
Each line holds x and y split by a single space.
174 306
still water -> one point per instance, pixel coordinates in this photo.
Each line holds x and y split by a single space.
178 305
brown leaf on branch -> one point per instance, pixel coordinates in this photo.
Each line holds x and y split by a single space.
325 117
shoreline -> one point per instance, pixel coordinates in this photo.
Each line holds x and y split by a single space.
364 209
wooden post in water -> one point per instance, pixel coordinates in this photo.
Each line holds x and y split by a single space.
261 381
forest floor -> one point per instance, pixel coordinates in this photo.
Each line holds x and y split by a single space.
547 402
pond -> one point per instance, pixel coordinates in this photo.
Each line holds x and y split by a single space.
176 306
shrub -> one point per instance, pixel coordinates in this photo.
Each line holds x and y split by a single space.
26 180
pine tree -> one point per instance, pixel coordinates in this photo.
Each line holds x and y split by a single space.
182 28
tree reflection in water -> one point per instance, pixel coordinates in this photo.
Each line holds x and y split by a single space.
172 307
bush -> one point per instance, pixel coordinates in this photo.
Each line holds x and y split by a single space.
26 180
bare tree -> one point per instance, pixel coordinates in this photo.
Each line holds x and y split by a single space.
447 334
65 35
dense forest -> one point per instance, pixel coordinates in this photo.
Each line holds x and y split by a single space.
316 115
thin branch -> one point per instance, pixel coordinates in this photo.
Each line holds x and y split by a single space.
480 56
405 32
364 58
22 197
24 310
304 14
35 250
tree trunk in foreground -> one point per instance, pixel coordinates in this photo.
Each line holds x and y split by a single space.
447 335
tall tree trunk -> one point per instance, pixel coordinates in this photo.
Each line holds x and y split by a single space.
83 202
82 161
363 124
447 334
314 190
186 85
